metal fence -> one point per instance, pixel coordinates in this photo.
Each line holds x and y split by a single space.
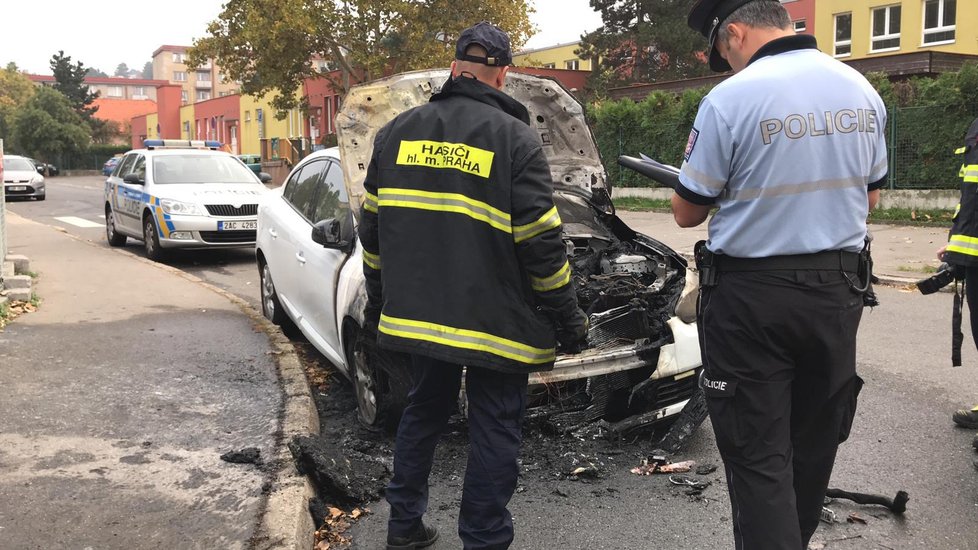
920 141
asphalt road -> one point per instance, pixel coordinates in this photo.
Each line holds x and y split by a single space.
902 438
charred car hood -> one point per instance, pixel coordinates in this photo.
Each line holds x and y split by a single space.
555 115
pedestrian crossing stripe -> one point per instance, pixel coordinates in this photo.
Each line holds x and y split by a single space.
79 222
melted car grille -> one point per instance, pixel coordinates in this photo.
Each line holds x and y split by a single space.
231 210
670 391
229 236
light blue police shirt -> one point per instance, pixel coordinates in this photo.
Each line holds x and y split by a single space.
788 149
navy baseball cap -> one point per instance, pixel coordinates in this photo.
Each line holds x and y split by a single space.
490 37
706 17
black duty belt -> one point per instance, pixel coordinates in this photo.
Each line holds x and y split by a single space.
829 260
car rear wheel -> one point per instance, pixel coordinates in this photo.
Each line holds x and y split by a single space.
151 240
114 237
270 306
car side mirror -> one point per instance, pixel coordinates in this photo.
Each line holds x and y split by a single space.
329 234
265 177
40 170
133 179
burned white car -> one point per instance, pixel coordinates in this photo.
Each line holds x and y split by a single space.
641 363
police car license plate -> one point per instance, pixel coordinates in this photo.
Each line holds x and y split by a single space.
237 226
18 188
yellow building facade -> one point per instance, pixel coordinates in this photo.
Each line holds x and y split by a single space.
187 129
560 56
857 29
258 121
152 120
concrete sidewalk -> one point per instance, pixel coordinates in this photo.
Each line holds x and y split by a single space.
901 254
120 394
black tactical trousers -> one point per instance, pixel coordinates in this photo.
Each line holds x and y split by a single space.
779 355
496 406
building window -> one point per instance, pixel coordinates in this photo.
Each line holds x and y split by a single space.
186 128
203 95
843 35
139 92
203 76
184 97
247 116
179 57
179 76
549 65
800 25
939 17
886 29
573 65
115 91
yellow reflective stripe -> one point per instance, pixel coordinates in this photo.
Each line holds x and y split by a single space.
553 282
465 339
369 202
957 210
970 173
372 260
445 202
444 155
961 151
548 221
963 244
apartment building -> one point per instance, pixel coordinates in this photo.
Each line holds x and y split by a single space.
559 56
112 87
200 84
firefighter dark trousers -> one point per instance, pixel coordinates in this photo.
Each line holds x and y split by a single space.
779 355
496 406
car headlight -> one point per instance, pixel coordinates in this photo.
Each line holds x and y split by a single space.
171 206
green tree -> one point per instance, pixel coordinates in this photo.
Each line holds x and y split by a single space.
92 71
122 70
148 70
15 91
644 41
70 80
269 45
48 127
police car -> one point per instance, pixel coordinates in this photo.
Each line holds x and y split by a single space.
182 194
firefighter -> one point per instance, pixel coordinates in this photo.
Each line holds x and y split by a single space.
792 151
962 249
465 267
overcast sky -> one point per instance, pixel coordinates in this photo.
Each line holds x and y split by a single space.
108 32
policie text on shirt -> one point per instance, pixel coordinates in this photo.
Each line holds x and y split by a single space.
798 126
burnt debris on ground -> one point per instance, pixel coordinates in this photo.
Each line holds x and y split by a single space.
250 455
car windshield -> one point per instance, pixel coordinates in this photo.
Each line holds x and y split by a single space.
200 169
12 164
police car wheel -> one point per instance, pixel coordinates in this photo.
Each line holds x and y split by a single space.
151 240
270 306
114 237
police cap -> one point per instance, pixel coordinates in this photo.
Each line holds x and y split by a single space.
706 18
490 37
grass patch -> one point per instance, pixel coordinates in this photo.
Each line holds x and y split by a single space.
898 216
928 269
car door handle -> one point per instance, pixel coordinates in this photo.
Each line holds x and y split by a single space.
300 257
273 233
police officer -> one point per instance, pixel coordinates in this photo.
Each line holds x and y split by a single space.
962 248
791 149
465 265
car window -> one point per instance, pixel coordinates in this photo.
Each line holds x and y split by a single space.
10 164
332 201
125 166
200 169
140 167
301 189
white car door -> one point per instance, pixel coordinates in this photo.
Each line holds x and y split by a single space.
318 276
287 225
127 198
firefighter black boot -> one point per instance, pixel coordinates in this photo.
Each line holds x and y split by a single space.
966 418
425 536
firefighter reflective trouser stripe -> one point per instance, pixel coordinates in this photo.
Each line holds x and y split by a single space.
553 282
780 400
963 245
372 260
969 173
466 339
445 202
496 405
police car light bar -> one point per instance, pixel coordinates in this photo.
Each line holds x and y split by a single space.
180 144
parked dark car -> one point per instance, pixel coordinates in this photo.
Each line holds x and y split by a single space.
110 165
44 168
252 161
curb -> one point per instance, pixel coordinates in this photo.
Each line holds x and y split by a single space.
285 522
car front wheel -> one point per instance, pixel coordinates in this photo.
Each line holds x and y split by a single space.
151 240
114 237
270 305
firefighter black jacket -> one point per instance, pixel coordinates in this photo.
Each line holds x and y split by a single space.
462 246
962 246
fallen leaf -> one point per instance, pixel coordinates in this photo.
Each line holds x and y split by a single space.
335 513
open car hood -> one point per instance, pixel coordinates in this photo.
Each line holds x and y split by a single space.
555 115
